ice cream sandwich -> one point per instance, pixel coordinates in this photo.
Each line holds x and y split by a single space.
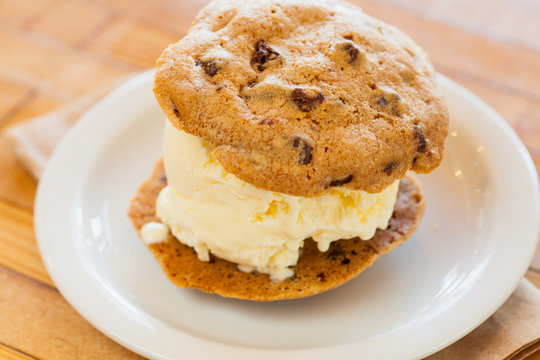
290 129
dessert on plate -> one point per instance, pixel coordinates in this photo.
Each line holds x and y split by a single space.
290 129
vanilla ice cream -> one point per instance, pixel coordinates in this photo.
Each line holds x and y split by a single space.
154 232
215 212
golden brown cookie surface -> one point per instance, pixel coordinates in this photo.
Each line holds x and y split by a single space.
298 96
315 272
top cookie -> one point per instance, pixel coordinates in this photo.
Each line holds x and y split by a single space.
299 96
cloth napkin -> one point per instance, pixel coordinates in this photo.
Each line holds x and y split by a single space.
513 332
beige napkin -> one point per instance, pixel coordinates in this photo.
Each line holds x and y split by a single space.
513 332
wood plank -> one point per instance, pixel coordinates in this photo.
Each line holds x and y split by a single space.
12 95
536 159
29 59
534 277
19 188
18 13
172 15
514 22
37 104
501 65
70 21
18 247
8 353
84 75
137 44
535 356
30 63
38 321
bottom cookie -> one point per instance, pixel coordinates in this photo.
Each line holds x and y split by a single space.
315 272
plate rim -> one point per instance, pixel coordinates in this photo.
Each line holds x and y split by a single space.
239 351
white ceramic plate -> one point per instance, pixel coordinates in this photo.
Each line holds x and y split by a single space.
473 245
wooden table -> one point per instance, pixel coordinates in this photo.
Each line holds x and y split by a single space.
54 51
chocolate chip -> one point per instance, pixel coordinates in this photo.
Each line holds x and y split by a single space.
389 104
343 181
176 112
307 100
175 109
382 101
419 136
263 54
266 121
306 150
389 168
345 261
388 101
352 51
354 252
163 179
322 277
209 67
336 252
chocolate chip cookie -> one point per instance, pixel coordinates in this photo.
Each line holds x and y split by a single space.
304 95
